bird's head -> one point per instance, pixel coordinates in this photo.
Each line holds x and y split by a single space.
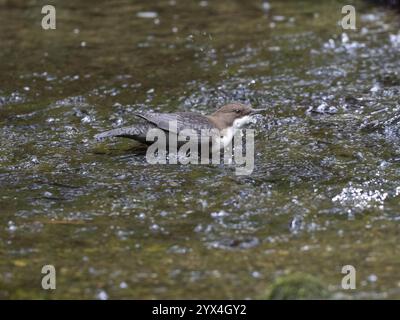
234 114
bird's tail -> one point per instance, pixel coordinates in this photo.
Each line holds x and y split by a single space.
137 132
127 132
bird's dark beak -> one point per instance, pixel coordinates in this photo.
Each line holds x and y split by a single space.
257 111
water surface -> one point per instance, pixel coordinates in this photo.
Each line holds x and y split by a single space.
324 192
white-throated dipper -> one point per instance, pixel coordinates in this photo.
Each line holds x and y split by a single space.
226 121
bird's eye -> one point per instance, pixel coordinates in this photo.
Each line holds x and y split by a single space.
237 111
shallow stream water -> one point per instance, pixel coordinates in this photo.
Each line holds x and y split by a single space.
324 192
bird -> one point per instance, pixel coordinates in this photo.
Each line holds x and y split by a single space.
227 120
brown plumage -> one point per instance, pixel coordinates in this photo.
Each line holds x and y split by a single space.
221 119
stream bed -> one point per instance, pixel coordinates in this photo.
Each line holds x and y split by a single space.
325 190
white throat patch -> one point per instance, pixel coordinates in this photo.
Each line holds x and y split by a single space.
228 133
241 122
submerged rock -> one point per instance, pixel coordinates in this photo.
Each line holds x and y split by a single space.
296 286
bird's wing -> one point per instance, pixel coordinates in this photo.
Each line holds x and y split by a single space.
176 122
